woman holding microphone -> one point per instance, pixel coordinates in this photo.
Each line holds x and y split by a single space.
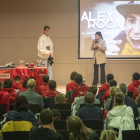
99 58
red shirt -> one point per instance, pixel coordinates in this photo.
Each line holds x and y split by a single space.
38 73
50 93
17 86
4 99
106 94
22 71
44 87
133 87
71 86
104 87
13 95
80 90
22 90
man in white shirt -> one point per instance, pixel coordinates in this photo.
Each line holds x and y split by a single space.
45 48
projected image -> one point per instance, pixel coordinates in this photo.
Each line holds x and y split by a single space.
119 23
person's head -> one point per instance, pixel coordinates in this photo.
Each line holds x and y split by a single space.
59 98
52 84
113 91
56 114
118 99
45 78
122 88
17 79
1 84
77 129
112 83
98 35
131 13
46 30
136 76
78 78
7 83
46 117
72 76
21 104
24 83
92 89
31 84
108 135
110 77
89 98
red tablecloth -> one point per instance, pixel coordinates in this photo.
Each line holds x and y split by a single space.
6 74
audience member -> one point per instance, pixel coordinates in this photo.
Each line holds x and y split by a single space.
21 112
138 103
104 87
127 101
108 135
134 85
81 88
32 97
59 99
112 93
56 114
4 97
78 131
7 87
16 84
47 130
81 100
24 85
52 92
45 85
90 111
119 108
72 85
106 94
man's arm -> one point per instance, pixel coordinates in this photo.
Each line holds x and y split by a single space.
111 103
41 104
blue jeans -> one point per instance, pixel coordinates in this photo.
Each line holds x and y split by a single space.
49 67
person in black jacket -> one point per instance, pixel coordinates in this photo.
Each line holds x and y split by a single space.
78 131
128 101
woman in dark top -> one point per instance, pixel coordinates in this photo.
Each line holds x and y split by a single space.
21 112
78 131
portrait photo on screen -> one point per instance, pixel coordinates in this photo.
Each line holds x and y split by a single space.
119 23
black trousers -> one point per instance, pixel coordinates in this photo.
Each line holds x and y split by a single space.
96 78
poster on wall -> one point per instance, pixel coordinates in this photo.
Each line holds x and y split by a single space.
119 23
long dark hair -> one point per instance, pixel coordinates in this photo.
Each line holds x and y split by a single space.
99 34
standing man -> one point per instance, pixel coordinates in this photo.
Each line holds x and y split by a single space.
45 49
99 57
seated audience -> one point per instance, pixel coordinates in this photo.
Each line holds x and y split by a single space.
72 85
78 131
56 114
59 99
112 93
127 101
7 87
21 112
24 85
47 130
106 94
104 87
30 94
45 86
90 111
121 117
108 135
81 88
16 84
4 97
52 92
81 100
134 85
138 103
